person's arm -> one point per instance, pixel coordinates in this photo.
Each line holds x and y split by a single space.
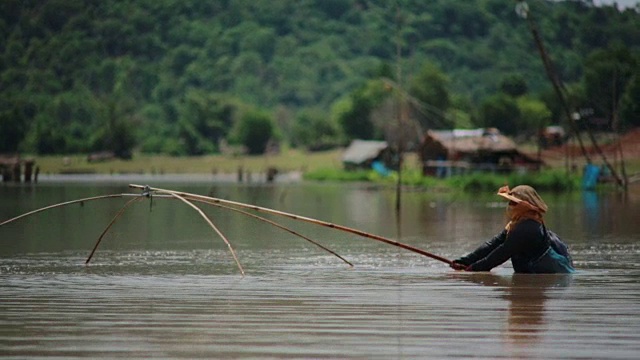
483 250
515 242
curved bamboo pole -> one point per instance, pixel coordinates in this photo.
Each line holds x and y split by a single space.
301 218
218 202
206 218
278 226
113 221
60 205
140 197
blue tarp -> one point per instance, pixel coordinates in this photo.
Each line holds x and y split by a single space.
379 167
590 177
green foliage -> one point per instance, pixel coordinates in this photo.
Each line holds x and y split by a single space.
534 114
552 180
66 123
14 119
523 115
630 103
315 131
339 175
608 73
158 63
430 88
204 120
414 178
354 115
514 85
500 111
254 130
114 132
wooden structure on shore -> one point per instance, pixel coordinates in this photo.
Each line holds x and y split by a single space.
16 169
453 152
361 154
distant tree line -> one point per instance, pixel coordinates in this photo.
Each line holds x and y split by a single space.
181 77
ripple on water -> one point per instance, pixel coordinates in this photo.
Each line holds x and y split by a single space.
186 304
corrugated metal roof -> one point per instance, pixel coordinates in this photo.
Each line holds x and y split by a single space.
360 151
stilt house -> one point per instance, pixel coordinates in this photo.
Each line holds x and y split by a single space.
448 152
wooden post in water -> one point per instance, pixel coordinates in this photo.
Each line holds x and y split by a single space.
28 171
11 169
16 171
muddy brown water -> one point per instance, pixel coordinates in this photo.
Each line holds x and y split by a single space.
163 285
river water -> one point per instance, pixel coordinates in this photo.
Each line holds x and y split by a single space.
163 284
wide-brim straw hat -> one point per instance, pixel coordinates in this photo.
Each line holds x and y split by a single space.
525 193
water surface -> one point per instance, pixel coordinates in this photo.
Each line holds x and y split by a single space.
164 285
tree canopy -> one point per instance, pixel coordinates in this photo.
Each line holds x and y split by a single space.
177 77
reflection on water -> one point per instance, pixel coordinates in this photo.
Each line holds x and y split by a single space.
526 296
592 211
163 285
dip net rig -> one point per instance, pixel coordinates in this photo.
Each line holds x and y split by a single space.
191 200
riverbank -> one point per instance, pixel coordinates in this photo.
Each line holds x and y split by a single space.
290 160
295 165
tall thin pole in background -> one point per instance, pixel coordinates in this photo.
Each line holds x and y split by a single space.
522 9
399 133
616 129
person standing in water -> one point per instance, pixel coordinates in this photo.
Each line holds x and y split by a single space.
525 240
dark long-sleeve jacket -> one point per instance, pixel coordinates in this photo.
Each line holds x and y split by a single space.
523 244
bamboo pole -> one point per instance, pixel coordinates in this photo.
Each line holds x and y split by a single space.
273 223
62 204
278 226
215 228
559 89
113 221
301 218
138 197
185 197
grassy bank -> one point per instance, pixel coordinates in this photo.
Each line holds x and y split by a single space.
320 166
548 180
288 160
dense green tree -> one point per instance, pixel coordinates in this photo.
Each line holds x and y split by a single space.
353 116
204 120
354 113
146 58
116 132
534 115
254 130
66 124
607 74
315 131
430 89
514 85
460 18
15 115
500 111
630 104
573 95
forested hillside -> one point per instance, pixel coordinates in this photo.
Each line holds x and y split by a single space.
185 76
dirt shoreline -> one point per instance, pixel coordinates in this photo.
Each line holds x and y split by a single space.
629 143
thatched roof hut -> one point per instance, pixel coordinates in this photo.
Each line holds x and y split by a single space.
455 151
